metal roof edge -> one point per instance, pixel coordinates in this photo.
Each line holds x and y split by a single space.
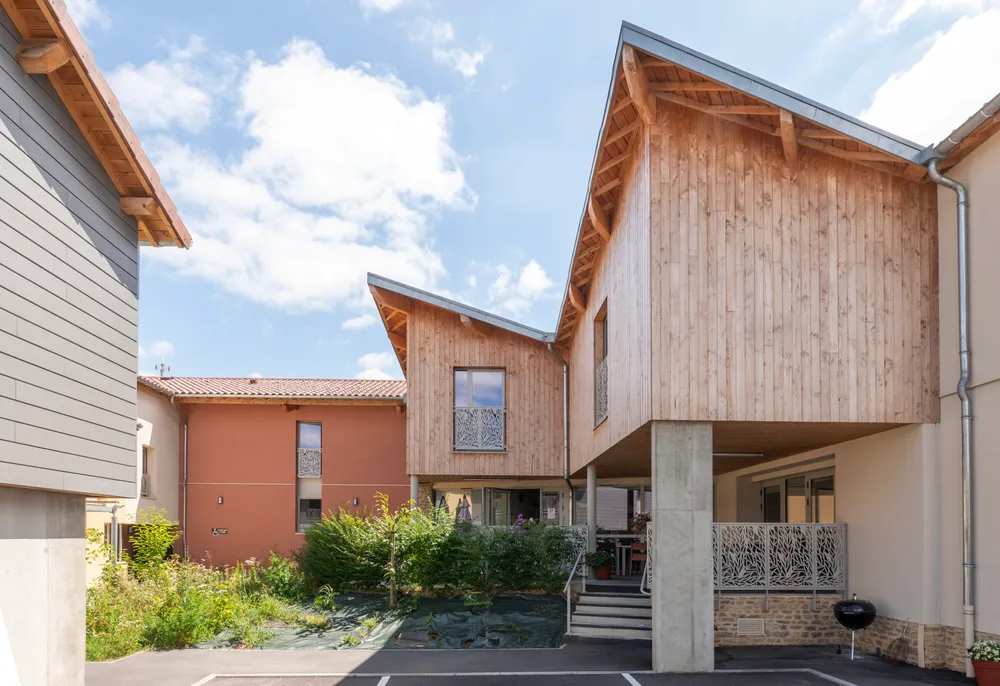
953 139
798 104
457 307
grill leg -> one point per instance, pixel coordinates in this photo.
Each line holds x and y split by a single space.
852 645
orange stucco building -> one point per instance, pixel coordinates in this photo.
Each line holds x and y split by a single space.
265 457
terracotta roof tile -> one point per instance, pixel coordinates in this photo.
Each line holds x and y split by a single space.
200 386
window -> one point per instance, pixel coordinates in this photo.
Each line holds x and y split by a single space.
480 415
309 473
601 365
799 498
145 477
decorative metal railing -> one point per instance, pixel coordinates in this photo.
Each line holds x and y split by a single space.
145 486
780 557
310 463
601 392
646 585
480 429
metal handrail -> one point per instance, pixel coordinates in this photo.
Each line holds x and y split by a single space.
569 584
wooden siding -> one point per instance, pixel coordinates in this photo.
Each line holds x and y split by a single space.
805 293
68 299
437 342
623 279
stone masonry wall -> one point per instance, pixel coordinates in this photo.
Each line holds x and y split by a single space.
790 620
425 495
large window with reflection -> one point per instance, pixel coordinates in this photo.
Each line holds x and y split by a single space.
616 505
800 498
480 415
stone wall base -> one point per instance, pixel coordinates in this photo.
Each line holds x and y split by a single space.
425 495
790 620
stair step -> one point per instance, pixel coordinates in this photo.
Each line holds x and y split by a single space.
609 632
600 620
616 599
616 610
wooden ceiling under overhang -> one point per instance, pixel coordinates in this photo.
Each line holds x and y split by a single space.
52 45
640 81
394 310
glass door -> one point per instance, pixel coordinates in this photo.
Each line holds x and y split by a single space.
821 493
499 506
800 499
770 496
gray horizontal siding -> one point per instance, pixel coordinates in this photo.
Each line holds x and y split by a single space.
69 268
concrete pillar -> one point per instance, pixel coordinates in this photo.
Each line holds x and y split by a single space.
683 615
414 491
592 508
42 587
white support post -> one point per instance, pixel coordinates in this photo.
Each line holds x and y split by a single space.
591 508
683 616
414 490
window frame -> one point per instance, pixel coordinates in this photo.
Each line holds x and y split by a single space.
470 370
300 526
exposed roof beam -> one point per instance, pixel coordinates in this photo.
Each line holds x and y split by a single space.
608 186
914 172
638 85
621 133
698 86
394 301
854 155
42 55
146 233
742 109
707 109
475 327
576 298
787 127
622 104
138 207
824 133
614 161
398 340
599 218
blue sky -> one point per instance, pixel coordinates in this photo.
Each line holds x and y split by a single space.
444 144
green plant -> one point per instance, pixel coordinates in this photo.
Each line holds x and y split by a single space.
151 538
350 640
523 634
325 600
311 621
472 601
599 558
284 578
986 651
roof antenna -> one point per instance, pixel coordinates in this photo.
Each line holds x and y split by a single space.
164 368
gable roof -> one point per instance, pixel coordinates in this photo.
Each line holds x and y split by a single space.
194 387
649 66
51 44
394 301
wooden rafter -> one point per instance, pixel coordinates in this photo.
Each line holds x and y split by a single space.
613 183
145 233
391 300
599 219
699 86
621 133
42 55
622 104
614 161
576 298
138 207
787 126
398 340
638 85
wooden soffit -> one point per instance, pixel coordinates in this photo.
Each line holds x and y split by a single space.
52 45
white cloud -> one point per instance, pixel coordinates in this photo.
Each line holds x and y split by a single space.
432 31
376 366
362 321
256 375
946 86
345 169
88 13
517 296
438 34
889 15
465 63
381 5
158 350
174 92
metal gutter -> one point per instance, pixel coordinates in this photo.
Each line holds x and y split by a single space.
236 396
565 423
459 308
942 149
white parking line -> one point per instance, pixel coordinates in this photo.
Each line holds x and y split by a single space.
383 681
630 679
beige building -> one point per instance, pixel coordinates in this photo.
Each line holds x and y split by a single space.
158 430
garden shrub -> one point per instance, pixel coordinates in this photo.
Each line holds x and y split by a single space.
351 551
151 539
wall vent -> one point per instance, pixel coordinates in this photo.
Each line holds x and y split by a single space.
750 626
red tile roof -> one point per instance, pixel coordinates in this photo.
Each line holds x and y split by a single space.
229 387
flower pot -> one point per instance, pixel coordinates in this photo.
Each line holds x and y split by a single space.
602 573
987 673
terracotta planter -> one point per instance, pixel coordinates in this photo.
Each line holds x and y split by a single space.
987 673
602 573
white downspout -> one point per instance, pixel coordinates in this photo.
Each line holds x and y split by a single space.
969 608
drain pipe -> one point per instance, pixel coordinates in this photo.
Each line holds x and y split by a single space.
569 483
969 608
184 480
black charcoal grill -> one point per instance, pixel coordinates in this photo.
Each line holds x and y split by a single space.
855 615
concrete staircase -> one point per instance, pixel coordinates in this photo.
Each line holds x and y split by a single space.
613 615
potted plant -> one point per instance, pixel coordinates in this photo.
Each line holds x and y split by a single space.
637 524
986 661
600 561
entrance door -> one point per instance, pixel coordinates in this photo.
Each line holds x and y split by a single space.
499 506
